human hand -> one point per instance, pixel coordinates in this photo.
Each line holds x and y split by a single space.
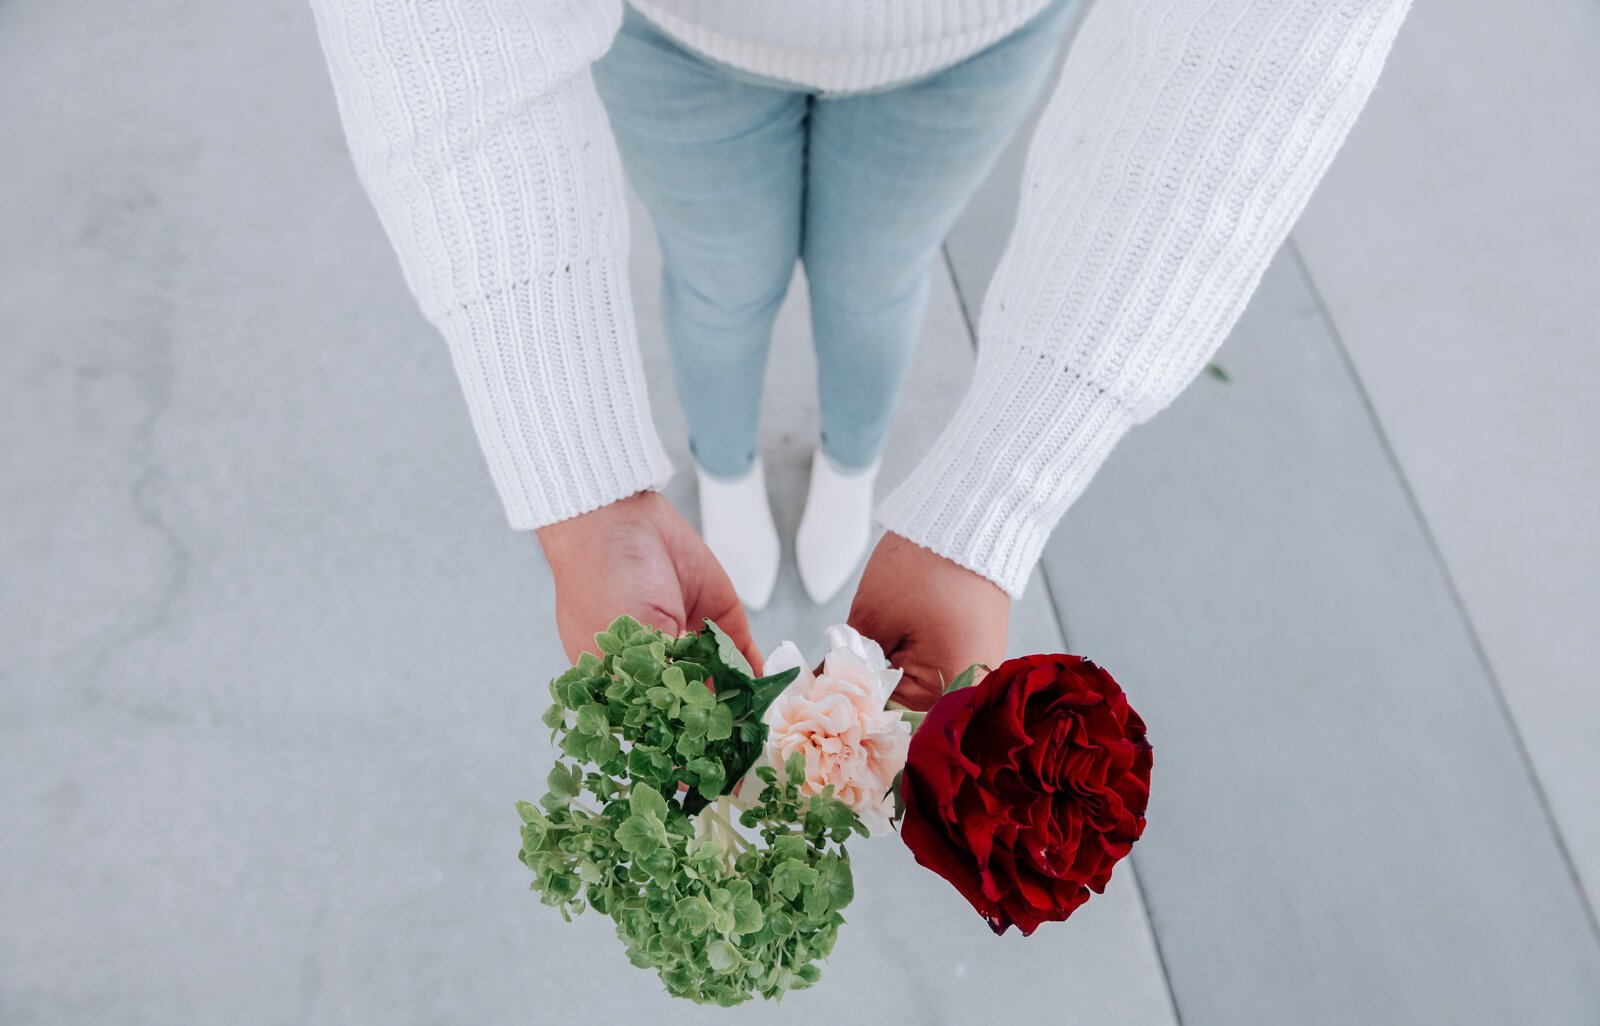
933 617
640 557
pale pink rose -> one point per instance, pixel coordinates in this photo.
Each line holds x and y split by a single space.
837 721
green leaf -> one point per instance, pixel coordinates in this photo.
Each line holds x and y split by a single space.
647 801
705 856
766 690
728 652
559 887
564 781
964 679
695 914
700 696
641 835
554 716
710 775
794 769
571 691
814 902
620 691
719 723
592 720
837 881
626 627
914 717
695 722
834 814
747 915
648 763
605 749
722 955
792 876
659 864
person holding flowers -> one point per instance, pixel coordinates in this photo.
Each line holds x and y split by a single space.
1178 146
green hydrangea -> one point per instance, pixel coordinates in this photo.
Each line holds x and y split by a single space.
719 916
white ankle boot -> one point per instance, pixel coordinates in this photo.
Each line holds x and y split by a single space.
835 528
736 523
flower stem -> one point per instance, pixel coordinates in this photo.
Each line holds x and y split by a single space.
718 827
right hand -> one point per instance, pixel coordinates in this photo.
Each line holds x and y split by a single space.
640 557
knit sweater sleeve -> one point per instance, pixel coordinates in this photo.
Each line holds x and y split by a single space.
1183 140
477 132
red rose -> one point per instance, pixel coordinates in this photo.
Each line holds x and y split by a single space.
1025 789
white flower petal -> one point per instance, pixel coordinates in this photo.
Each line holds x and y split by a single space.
844 636
784 657
869 668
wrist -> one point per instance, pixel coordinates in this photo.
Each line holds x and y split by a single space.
930 563
578 532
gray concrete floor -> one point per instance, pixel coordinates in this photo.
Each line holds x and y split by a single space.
270 664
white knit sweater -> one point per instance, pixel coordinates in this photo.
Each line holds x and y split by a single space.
1180 144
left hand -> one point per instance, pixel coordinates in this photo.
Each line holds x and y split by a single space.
933 617
638 556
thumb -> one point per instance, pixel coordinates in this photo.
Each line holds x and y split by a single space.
707 592
737 626
733 623
753 654
710 595
919 690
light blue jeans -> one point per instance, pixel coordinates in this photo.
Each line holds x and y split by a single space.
744 175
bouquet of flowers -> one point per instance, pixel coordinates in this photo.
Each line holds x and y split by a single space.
707 811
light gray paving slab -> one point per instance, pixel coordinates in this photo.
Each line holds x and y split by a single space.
1457 245
978 238
270 662
1341 829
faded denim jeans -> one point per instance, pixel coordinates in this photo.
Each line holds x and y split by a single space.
744 175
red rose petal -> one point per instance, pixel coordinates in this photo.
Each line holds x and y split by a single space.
1026 789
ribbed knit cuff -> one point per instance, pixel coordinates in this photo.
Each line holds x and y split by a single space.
1024 443
556 389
